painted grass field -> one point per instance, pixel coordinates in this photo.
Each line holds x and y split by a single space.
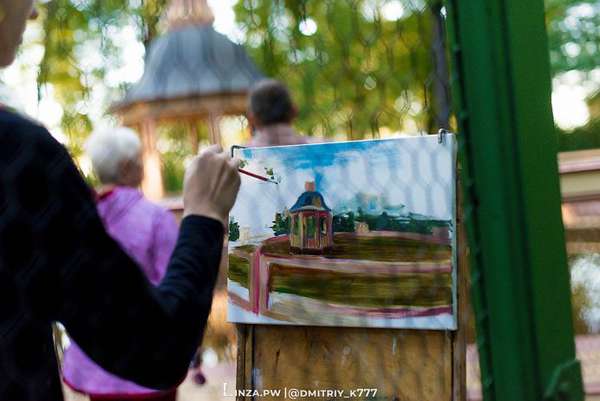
400 272
377 248
401 289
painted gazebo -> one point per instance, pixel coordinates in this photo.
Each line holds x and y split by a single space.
311 228
193 75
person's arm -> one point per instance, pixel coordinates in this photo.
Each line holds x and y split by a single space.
138 332
164 239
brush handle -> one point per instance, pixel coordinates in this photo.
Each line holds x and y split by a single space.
254 175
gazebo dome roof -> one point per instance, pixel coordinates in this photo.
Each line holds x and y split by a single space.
191 61
310 200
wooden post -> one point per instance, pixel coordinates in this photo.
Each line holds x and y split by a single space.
214 130
507 142
407 365
459 346
194 136
152 185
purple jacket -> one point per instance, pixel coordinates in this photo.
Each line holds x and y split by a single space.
148 233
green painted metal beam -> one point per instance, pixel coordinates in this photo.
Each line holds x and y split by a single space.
521 292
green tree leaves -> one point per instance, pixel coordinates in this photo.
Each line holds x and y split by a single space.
234 230
351 71
355 69
573 34
80 49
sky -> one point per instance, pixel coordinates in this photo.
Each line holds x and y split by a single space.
568 98
393 172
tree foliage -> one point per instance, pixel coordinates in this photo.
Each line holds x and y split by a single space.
80 49
573 34
586 137
574 41
350 70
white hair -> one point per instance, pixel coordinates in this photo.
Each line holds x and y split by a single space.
109 148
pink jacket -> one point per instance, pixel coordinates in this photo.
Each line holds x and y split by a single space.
148 234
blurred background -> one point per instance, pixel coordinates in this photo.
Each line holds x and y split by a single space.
177 71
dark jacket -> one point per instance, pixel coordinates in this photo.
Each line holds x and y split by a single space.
58 264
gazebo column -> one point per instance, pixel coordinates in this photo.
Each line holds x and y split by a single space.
149 102
152 185
193 135
214 129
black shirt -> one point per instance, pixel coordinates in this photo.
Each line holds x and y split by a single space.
58 264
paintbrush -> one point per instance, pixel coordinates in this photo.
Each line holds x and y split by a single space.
258 177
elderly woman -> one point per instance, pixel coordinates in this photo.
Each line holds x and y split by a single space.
146 231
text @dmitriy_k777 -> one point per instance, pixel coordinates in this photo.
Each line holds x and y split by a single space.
292 393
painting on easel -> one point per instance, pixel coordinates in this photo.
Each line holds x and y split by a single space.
357 234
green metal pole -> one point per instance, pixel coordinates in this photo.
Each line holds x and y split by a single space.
521 292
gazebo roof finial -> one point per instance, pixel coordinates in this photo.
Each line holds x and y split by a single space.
182 13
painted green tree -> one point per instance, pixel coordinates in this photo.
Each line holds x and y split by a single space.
344 223
281 224
234 230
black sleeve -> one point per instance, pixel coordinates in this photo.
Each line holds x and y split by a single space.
138 332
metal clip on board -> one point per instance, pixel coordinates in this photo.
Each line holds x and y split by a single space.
234 147
442 135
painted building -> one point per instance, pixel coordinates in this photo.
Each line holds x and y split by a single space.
311 229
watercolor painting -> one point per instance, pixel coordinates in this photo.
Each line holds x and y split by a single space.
358 234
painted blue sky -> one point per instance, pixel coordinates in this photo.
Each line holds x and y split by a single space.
414 172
